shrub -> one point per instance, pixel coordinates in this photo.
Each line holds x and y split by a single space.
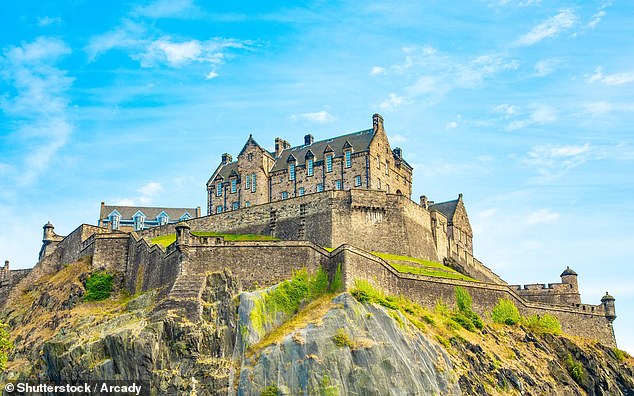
575 369
506 312
619 354
5 346
272 390
98 286
546 323
463 299
342 339
337 280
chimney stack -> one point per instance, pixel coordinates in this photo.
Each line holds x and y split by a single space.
308 139
377 122
423 201
226 158
398 152
280 145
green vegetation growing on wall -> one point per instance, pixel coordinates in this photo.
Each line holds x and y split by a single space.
5 345
166 240
506 312
411 265
465 315
98 286
289 296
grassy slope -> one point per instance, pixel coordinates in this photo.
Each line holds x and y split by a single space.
166 240
411 265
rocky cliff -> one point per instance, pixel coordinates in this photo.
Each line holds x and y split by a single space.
334 345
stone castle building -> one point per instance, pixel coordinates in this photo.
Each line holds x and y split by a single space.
330 204
136 218
361 160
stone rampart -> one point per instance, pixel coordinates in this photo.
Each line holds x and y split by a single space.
551 293
582 320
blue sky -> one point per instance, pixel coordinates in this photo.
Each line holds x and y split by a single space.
525 107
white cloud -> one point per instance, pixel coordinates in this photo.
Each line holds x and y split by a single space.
46 21
451 125
398 138
550 27
596 18
167 9
211 75
611 79
540 115
393 101
147 195
175 54
545 67
553 161
506 109
321 117
377 70
542 216
127 36
39 105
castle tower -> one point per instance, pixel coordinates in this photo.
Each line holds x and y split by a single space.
49 232
608 306
570 277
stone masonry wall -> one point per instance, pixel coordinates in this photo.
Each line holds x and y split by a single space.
586 321
150 266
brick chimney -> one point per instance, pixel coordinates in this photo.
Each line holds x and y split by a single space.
308 139
398 152
377 122
226 158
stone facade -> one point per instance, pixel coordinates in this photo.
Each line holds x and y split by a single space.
362 159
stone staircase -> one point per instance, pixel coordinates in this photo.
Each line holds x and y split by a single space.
185 295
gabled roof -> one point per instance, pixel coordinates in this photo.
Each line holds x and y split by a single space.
225 171
252 142
128 212
447 208
359 141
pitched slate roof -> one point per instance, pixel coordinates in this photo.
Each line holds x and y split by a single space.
127 212
447 208
359 141
226 170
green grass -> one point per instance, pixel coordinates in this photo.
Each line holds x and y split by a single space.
411 265
342 339
5 345
541 324
575 369
166 240
506 312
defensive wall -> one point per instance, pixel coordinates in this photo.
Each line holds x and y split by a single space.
582 320
370 219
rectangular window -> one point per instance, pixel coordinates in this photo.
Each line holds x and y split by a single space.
253 182
235 206
379 184
219 189
247 204
348 159
357 181
284 195
320 187
291 171
247 183
387 168
387 188
219 209
234 185
329 163
301 191
338 184
309 167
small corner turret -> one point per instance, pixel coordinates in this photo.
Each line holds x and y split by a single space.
608 306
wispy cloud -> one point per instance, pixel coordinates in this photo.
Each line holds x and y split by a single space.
393 101
542 216
46 21
610 79
38 107
539 115
376 70
545 67
320 117
167 9
553 161
146 195
549 28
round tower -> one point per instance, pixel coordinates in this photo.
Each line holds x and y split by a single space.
570 277
608 306
182 233
48 232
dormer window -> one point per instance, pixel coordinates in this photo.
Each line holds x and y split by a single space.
162 219
185 216
115 220
309 167
139 220
291 171
329 163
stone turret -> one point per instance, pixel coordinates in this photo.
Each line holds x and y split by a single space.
570 277
182 233
608 306
49 233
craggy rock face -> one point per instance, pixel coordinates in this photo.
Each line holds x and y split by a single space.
211 346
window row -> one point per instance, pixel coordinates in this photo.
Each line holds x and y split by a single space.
250 183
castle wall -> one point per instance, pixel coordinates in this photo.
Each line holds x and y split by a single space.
463 261
111 252
553 293
150 267
587 321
